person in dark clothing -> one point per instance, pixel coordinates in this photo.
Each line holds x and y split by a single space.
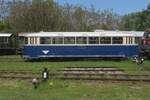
45 74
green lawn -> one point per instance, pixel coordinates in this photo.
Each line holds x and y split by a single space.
73 90
17 63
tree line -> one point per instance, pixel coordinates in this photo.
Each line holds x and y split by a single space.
139 21
47 15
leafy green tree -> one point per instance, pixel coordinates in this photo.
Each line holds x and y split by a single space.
136 21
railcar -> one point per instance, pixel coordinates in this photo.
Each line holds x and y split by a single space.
80 44
5 44
145 44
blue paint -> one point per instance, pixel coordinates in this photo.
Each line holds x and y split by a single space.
80 51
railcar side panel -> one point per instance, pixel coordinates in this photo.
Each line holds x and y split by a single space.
34 51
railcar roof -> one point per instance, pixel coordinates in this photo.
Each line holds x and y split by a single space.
5 34
82 34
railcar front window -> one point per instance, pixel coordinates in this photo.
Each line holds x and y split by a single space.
147 35
57 40
69 40
45 40
81 40
105 40
117 40
93 40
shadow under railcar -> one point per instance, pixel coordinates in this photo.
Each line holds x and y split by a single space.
63 59
7 51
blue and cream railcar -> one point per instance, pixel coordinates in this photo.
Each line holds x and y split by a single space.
80 44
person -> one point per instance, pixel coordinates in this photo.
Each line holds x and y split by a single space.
138 60
45 74
35 82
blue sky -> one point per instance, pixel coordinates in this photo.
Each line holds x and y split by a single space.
119 6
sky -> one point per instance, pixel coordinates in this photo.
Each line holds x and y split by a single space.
121 7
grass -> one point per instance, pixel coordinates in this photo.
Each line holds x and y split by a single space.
73 90
17 63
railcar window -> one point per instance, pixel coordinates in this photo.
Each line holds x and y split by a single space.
147 35
26 40
127 40
93 40
130 40
137 40
4 42
57 40
105 40
117 40
1 39
21 41
35 40
4 39
1 42
81 40
45 40
69 40
31 40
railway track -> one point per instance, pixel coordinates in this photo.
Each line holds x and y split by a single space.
19 74
97 73
80 73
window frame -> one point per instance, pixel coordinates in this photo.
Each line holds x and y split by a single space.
84 40
93 40
115 41
104 41
45 42
61 40
69 41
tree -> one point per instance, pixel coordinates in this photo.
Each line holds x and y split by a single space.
136 21
35 16
4 6
47 15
